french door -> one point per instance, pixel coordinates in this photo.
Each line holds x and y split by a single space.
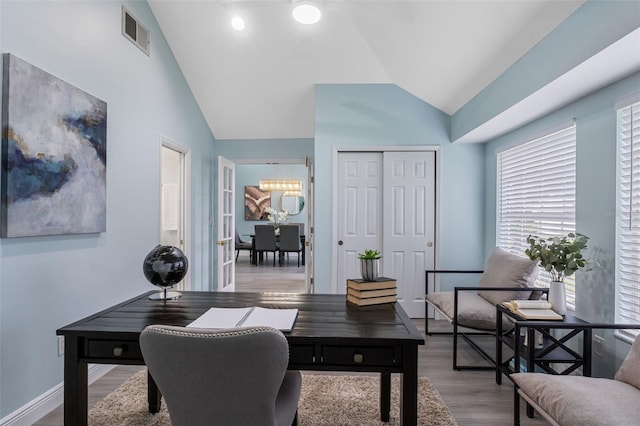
226 224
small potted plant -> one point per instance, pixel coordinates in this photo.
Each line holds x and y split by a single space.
369 264
561 257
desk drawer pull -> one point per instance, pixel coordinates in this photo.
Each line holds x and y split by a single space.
118 351
358 358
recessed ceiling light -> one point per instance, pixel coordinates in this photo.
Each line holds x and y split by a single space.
237 23
306 11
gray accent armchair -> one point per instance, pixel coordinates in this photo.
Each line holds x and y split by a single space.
584 401
223 377
505 277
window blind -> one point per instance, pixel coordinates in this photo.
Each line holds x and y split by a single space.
536 195
628 216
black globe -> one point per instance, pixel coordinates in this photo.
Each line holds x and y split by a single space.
165 266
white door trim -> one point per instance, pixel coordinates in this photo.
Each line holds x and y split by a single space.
186 283
334 215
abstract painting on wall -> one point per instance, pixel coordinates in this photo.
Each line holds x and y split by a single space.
255 202
54 155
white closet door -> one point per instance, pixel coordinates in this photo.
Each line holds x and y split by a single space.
409 224
359 211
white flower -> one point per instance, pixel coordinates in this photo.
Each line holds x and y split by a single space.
275 216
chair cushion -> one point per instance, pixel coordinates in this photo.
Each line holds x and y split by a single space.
629 371
504 269
582 401
473 310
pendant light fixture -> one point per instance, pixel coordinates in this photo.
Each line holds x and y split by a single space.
306 12
280 185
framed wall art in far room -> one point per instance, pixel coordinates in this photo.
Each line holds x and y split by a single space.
54 155
255 203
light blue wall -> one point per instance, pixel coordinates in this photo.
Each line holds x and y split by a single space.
353 115
595 117
250 174
48 282
592 27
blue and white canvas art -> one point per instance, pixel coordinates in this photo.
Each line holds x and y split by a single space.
54 155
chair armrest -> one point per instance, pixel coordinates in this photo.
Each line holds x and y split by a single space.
542 289
586 326
458 289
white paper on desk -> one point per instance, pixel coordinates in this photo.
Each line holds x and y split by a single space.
220 318
282 319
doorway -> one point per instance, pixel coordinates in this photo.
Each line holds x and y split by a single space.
265 277
386 201
174 194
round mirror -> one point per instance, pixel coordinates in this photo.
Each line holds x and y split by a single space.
292 203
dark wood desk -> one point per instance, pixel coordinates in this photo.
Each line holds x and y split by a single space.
329 335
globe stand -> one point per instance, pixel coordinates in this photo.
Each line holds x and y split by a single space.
165 295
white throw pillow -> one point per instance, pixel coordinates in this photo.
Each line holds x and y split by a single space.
504 269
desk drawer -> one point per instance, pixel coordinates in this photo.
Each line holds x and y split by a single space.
374 356
301 354
114 349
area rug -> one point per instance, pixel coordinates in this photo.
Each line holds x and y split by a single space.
324 400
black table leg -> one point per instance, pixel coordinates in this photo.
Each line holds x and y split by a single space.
409 386
385 396
75 384
154 397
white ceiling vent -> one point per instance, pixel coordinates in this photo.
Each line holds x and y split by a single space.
137 33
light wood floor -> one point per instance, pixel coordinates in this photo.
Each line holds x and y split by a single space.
472 396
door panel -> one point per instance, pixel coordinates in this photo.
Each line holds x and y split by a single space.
409 185
359 211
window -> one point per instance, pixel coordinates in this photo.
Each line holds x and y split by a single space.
628 216
537 194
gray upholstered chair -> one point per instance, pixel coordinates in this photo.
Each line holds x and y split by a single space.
290 241
584 401
265 241
223 377
505 277
242 245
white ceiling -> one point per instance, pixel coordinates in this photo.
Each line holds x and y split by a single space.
258 84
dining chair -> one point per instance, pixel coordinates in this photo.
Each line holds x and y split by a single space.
265 241
290 241
234 376
243 245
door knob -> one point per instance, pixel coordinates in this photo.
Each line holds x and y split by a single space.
430 244
340 243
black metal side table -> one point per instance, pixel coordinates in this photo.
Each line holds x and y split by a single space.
554 350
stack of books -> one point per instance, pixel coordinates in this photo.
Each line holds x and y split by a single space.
533 309
363 293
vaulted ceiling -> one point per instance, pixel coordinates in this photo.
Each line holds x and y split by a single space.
258 83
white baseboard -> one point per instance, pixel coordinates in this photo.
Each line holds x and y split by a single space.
34 410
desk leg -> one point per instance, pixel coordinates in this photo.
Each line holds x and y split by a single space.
409 386
75 384
153 395
385 396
